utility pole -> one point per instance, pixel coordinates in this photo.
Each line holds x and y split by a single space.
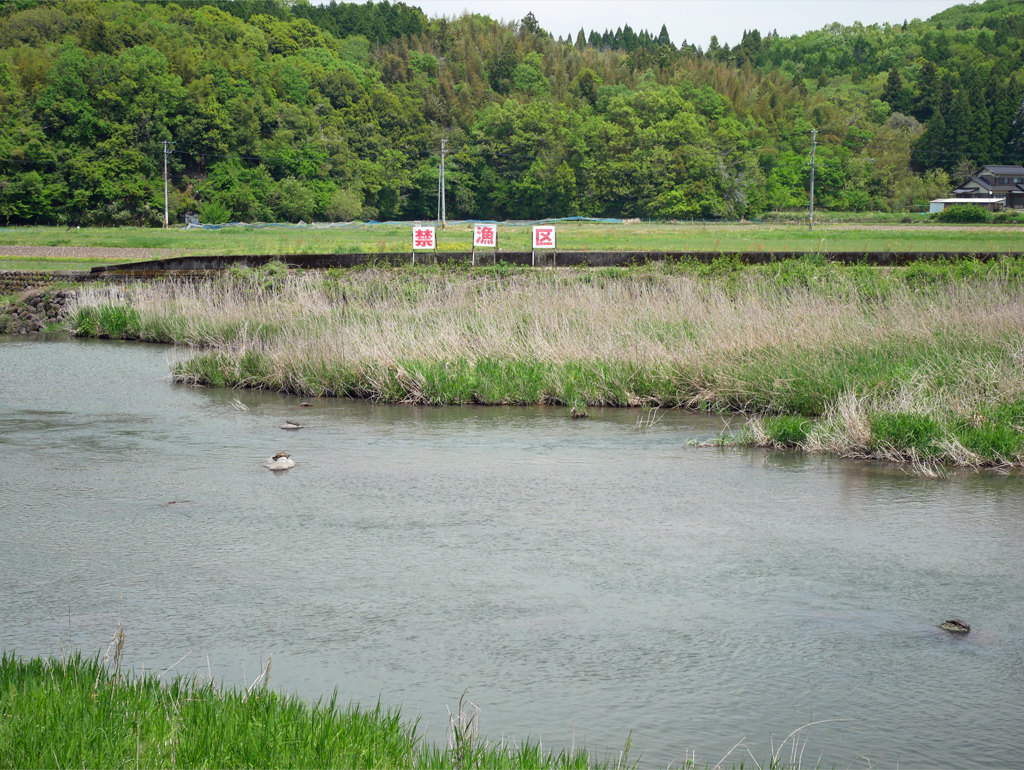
166 217
814 144
441 213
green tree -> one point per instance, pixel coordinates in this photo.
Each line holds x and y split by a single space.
503 66
66 102
1015 141
1007 104
664 39
927 94
529 76
586 85
930 150
345 205
293 200
893 92
959 140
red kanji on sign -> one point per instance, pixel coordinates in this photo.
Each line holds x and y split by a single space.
485 236
543 237
423 238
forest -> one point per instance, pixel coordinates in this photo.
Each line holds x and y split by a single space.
266 110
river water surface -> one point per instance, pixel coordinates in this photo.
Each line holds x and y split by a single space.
583 579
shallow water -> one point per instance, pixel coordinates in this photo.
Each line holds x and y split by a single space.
583 579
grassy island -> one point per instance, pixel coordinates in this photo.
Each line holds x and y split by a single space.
921 363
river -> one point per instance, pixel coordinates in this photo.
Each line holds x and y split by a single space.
581 578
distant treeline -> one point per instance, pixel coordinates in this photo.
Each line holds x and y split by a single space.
288 111
378 22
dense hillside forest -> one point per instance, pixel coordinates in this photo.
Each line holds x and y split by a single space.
278 111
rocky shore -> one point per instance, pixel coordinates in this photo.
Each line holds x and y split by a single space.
35 311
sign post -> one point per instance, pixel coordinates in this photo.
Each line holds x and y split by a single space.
423 239
485 236
543 238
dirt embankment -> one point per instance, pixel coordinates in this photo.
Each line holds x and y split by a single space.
924 228
85 252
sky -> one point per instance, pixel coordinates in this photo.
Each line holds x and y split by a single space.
692 20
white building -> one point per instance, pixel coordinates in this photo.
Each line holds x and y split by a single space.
992 204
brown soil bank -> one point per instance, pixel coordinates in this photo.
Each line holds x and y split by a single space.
84 252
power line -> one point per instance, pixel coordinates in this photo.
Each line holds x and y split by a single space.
166 208
441 214
814 144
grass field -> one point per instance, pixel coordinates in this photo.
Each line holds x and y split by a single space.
921 363
571 236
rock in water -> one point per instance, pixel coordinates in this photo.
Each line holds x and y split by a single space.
282 461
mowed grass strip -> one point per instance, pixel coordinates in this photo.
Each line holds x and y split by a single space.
82 713
571 236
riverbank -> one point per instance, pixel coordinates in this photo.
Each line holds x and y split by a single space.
923 363
83 713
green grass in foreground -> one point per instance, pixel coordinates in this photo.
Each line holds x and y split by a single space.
80 713
571 236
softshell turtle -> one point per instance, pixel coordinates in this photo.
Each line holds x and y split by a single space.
955 626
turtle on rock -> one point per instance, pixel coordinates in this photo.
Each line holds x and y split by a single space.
282 461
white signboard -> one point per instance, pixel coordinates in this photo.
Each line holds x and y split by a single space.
485 237
543 237
423 238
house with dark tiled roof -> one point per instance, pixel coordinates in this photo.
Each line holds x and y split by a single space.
996 182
